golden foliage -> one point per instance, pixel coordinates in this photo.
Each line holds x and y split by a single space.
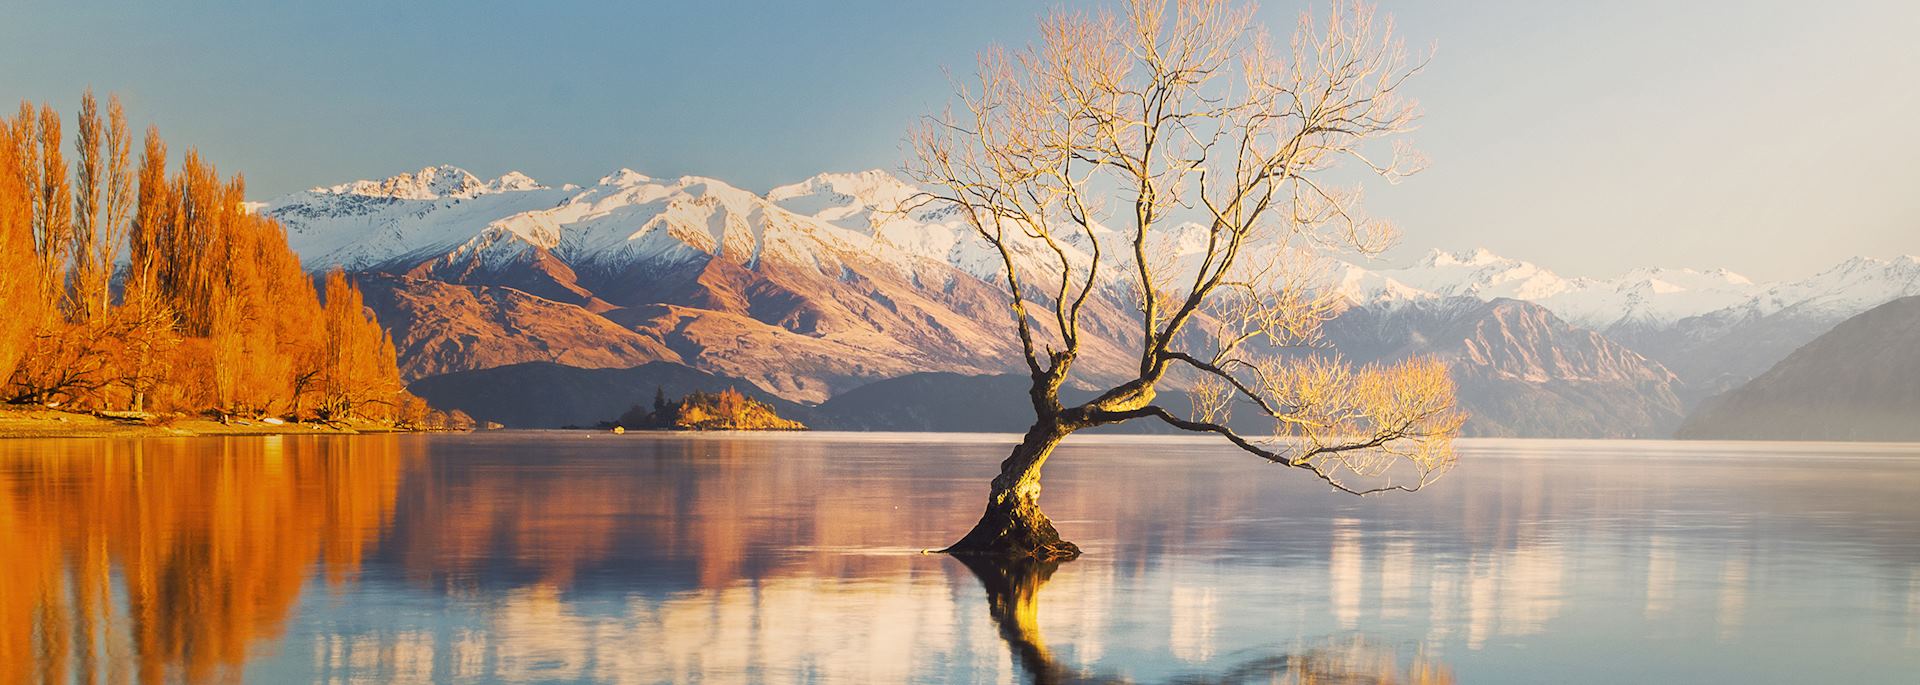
216 313
19 281
358 376
1363 422
1081 159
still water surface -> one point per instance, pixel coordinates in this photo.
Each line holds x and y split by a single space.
570 557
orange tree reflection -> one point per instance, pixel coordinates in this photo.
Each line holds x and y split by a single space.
209 548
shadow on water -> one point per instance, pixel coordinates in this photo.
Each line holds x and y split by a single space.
1013 601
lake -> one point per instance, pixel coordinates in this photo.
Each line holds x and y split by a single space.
577 557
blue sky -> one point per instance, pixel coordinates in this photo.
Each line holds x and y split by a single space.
1774 138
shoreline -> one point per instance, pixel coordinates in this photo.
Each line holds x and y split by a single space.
54 423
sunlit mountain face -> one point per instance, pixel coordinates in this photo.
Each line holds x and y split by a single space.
839 281
589 558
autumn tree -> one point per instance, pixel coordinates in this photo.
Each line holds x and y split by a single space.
1076 161
214 313
103 198
359 378
61 360
150 324
19 277
53 209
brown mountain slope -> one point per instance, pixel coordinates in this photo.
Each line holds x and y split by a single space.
441 327
1859 381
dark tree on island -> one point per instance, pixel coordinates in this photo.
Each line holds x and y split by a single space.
1077 160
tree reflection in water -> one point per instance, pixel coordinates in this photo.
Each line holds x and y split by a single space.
1013 601
542 557
170 560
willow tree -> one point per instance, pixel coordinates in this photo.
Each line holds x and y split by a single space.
1078 159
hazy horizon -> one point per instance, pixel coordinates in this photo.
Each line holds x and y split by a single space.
1589 140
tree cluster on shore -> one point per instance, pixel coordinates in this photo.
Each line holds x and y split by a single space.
727 410
208 312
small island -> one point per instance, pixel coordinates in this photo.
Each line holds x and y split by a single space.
727 410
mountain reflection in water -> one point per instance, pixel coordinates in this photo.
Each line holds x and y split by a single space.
591 558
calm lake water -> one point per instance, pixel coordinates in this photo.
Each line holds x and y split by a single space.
571 557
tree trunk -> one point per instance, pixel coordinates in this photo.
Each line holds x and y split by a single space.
1013 526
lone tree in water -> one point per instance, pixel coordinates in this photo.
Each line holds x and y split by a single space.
1077 161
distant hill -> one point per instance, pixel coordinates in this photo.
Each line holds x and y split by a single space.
939 402
1859 381
549 395
1521 370
957 403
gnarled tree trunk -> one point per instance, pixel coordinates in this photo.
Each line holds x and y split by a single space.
1013 525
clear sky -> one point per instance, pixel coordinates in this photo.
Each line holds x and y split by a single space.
1771 137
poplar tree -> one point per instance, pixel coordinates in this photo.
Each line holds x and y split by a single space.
216 312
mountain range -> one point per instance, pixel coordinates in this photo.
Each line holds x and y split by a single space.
835 282
1859 381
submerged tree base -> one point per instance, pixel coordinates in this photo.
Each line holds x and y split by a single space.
1014 528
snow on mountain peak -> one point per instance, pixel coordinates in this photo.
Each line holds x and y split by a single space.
513 180
820 221
1481 273
430 183
1478 256
624 177
1728 277
846 199
870 187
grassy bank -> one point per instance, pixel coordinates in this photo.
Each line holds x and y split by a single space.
52 423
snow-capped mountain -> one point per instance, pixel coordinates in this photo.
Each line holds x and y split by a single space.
1655 297
433 183
1641 296
1714 329
845 278
1853 286
1722 348
628 216
440 216
893 213
725 279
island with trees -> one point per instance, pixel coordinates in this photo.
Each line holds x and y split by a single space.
727 410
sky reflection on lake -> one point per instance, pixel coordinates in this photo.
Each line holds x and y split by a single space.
571 557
